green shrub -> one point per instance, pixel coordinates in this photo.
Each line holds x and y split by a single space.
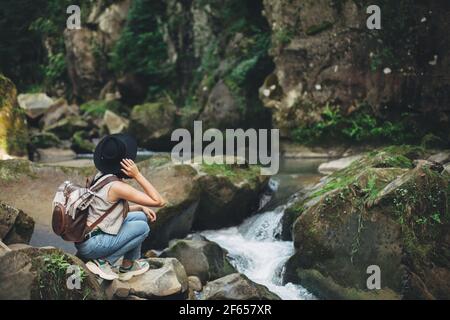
359 126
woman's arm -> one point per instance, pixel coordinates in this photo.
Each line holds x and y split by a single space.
121 190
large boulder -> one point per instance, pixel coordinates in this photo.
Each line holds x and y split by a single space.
230 193
23 182
57 111
222 110
41 273
15 225
165 279
66 127
152 124
114 123
178 184
201 258
13 126
382 210
34 104
236 286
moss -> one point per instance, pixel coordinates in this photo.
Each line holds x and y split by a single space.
316 29
52 278
81 143
99 107
13 128
13 169
45 140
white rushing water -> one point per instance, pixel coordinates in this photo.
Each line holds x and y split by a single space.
254 251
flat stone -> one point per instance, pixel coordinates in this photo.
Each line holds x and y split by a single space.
335 165
34 104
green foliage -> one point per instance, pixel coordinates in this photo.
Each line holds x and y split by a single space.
52 279
141 48
56 68
97 108
24 25
283 36
360 126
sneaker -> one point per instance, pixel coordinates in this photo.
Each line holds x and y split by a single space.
138 267
102 268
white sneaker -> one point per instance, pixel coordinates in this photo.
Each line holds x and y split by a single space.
102 268
138 267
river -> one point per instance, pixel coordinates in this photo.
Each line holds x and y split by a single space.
254 247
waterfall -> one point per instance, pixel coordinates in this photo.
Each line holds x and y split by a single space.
255 251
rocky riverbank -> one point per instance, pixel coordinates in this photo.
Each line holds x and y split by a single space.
388 208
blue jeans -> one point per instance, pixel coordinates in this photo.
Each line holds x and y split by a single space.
126 243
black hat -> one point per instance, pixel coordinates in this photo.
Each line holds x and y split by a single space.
111 150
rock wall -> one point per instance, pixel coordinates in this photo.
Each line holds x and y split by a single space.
325 55
13 127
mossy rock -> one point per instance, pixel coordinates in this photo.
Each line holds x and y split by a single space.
66 127
379 211
97 108
201 258
41 274
42 140
13 126
152 124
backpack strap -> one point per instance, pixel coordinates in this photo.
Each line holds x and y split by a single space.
103 216
103 183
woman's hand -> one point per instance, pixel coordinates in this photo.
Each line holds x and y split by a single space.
150 213
130 168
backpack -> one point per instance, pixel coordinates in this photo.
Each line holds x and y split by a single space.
71 208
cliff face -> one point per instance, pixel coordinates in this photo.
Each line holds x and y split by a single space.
321 73
325 54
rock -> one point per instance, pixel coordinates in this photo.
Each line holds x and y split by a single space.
117 289
339 164
13 125
110 20
81 143
25 274
66 127
22 182
447 168
380 211
34 104
114 122
152 124
55 155
195 283
165 279
236 286
203 259
230 194
43 140
15 225
58 111
441 157
178 184
86 72
221 111
290 150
